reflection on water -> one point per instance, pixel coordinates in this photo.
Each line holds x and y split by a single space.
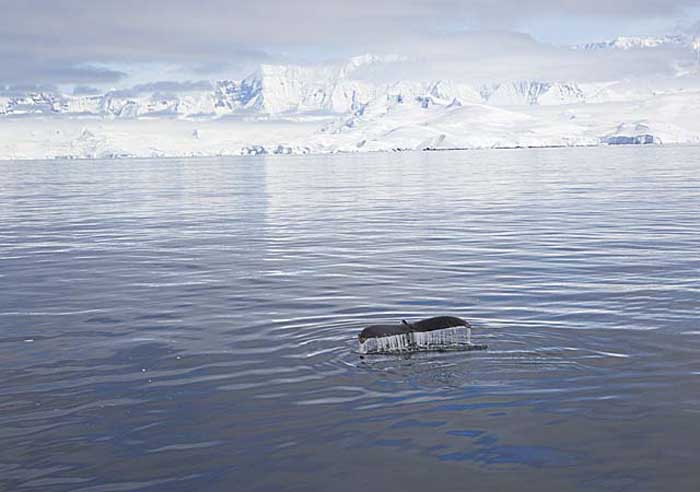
191 325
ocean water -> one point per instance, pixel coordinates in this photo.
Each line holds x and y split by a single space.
190 325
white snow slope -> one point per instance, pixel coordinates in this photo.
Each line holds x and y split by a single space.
294 109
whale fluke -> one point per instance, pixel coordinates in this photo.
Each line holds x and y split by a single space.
439 333
439 323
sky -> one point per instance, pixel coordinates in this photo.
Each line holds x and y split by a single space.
118 43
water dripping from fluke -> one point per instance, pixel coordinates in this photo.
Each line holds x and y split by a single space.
439 334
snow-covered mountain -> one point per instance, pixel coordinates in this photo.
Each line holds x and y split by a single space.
336 107
531 93
288 90
272 89
633 42
293 90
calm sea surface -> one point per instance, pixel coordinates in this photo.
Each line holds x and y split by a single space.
172 325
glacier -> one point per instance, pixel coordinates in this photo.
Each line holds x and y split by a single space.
333 107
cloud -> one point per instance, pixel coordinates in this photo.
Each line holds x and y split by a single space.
164 87
17 68
482 57
692 29
172 86
85 90
62 39
16 90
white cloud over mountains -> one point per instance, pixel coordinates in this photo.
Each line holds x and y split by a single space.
76 42
500 56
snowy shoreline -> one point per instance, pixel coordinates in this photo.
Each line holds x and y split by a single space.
338 152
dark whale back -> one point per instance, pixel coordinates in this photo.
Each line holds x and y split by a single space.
430 324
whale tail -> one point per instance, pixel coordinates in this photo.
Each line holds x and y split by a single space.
443 333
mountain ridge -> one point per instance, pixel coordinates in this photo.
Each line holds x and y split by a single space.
334 107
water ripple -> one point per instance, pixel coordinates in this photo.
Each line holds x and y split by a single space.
182 324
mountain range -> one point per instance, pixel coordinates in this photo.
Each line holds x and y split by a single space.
334 107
